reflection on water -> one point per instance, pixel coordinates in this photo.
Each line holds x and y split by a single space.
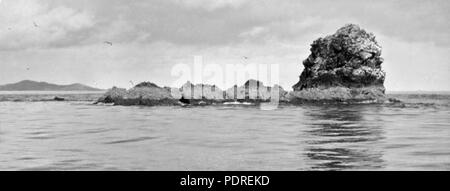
341 139
42 135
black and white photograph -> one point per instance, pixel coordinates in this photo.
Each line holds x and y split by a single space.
224 85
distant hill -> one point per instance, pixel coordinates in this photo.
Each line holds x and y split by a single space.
28 85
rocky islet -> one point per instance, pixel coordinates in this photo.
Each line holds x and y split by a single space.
344 67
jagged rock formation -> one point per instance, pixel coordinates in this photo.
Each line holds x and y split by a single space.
148 90
112 94
146 84
343 66
150 94
201 91
252 90
145 93
255 90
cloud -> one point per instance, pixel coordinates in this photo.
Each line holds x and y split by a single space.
213 23
211 5
150 36
34 24
253 32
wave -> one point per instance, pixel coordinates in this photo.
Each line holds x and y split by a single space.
139 139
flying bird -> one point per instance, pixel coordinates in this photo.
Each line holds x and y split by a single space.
109 43
35 24
245 57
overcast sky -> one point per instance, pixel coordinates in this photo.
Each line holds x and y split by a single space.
62 41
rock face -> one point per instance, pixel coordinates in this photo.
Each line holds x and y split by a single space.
343 66
150 94
201 91
145 93
256 91
250 91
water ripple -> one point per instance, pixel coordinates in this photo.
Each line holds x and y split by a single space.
72 136
139 139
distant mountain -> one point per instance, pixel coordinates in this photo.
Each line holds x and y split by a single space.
28 85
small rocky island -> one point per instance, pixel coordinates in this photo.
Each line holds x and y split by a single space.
343 68
150 94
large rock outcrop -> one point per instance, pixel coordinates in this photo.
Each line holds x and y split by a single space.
250 91
150 94
145 93
343 66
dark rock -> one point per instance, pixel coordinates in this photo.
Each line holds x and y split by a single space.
146 84
337 94
58 98
112 95
184 100
343 66
205 94
394 100
147 94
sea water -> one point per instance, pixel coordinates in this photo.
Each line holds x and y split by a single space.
39 134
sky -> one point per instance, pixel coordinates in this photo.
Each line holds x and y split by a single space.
63 41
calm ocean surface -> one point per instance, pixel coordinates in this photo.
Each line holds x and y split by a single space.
38 134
